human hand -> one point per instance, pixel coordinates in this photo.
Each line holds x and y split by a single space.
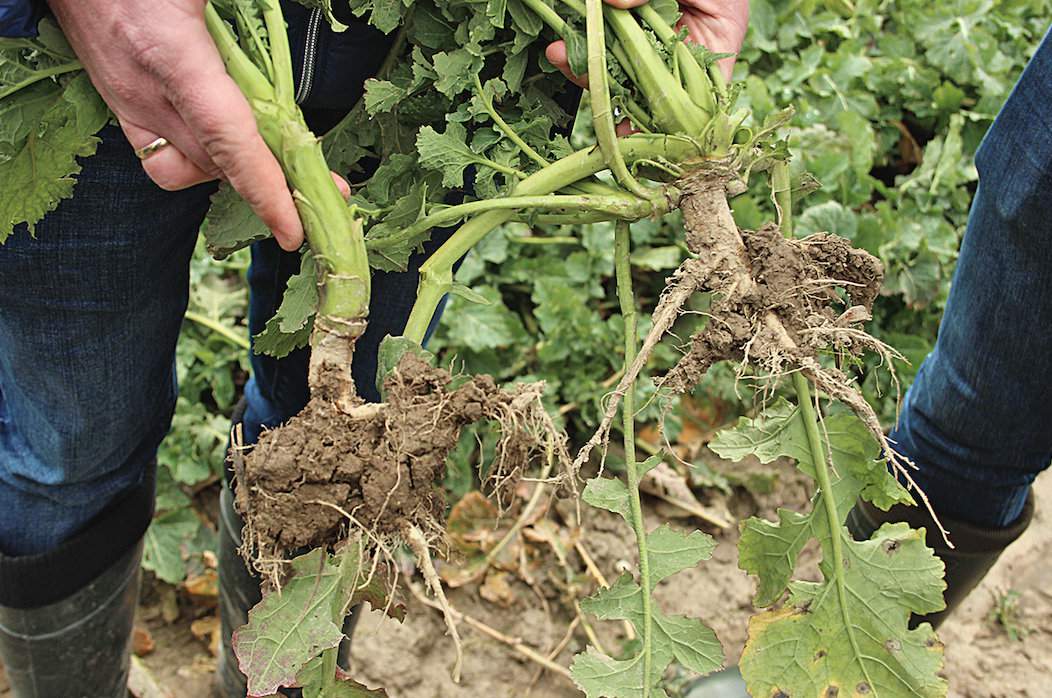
718 25
156 66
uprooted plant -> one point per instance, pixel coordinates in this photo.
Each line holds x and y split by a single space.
359 479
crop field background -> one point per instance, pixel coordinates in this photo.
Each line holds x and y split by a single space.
891 106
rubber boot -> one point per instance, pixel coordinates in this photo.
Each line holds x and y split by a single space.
239 591
66 615
975 550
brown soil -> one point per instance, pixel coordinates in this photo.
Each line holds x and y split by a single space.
413 659
379 464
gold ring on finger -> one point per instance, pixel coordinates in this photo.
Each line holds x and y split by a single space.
152 148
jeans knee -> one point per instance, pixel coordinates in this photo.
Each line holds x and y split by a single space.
78 453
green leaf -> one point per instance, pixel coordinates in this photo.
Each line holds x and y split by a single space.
301 297
381 96
687 640
273 342
449 153
231 223
455 70
692 643
287 629
310 678
345 688
291 325
166 541
657 258
386 15
777 432
829 216
37 167
769 550
600 676
671 551
650 463
610 494
485 322
824 642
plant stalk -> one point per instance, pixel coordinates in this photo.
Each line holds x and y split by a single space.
693 76
599 93
436 274
783 198
825 485
620 206
627 299
332 229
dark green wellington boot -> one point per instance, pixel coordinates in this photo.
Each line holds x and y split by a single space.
239 591
66 615
975 550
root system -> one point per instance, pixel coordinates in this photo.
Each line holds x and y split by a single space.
777 304
343 464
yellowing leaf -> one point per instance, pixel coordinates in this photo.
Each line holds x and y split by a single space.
853 636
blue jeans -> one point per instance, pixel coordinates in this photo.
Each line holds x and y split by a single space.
90 311
978 419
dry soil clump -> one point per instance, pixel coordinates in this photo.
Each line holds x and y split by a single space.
376 467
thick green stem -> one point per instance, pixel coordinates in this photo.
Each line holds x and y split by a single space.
333 231
280 53
599 92
693 76
615 48
627 299
672 108
547 14
436 274
783 197
253 83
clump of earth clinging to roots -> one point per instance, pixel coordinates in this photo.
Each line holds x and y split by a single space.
344 469
343 466
777 304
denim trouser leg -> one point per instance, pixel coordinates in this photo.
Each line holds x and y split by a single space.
90 310
978 419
